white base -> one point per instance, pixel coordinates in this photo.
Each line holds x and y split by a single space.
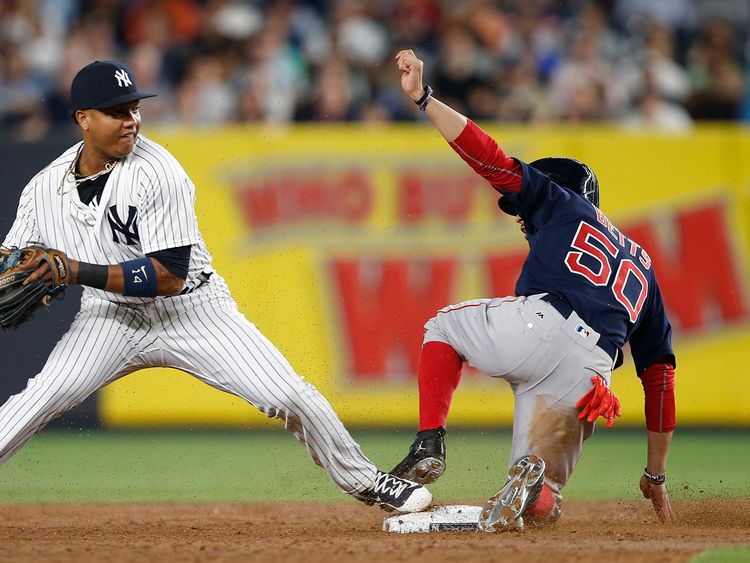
453 518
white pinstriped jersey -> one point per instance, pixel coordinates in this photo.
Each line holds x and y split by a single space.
147 205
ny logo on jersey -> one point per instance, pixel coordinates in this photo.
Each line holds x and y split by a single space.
123 80
124 232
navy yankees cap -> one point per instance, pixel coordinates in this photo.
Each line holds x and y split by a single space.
103 84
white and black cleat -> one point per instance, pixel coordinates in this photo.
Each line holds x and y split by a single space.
504 510
395 494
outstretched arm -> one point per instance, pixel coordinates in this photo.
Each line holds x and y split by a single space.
473 145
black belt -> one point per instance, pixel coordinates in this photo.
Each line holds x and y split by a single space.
563 307
559 303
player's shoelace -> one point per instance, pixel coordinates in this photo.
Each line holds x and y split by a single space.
388 487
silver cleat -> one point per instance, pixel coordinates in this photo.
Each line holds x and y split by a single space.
504 510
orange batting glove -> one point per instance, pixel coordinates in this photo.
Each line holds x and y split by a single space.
599 401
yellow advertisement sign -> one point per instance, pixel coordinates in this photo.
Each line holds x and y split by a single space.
339 242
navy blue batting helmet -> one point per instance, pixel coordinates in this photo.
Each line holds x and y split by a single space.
568 173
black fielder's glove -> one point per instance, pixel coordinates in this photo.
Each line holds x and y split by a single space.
18 302
425 461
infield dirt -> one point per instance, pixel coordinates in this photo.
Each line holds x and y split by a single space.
347 531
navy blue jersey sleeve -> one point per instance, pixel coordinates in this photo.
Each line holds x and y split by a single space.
176 260
538 197
651 341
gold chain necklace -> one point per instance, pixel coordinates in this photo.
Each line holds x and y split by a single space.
77 181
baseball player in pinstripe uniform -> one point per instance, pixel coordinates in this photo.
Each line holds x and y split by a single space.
585 290
121 208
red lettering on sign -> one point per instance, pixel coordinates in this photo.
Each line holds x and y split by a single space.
260 204
305 195
384 307
503 271
700 275
356 196
443 195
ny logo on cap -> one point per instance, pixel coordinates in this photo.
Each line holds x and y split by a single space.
123 80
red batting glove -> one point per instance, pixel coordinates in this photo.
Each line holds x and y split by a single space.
599 401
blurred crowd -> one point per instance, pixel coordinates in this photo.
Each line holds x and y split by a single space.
661 63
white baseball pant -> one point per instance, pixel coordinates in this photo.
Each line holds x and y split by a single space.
202 334
548 361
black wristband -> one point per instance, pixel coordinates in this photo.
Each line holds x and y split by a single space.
425 99
655 479
93 275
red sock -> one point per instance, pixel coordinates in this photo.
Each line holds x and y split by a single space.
439 374
543 506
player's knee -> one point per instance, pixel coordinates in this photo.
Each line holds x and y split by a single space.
434 327
65 398
57 393
545 509
292 401
434 331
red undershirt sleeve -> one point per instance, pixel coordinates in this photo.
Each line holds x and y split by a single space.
658 388
484 155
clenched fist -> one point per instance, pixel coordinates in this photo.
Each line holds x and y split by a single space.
411 79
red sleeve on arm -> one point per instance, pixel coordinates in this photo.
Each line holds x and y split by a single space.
482 153
658 387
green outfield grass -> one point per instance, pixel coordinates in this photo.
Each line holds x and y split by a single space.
98 466
737 554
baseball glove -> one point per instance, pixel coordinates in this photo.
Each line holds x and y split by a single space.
18 302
